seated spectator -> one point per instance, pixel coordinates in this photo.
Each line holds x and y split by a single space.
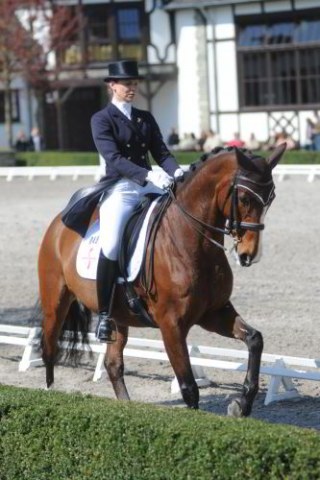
188 143
201 140
253 144
236 141
22 144
283 137
36 141
173 138
212 141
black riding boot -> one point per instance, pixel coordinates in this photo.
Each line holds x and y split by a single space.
106 278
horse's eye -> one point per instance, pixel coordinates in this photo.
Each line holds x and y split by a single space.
245 201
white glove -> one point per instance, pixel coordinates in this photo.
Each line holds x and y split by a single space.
160 179
178 174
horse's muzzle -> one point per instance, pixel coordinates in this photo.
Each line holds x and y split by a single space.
245 260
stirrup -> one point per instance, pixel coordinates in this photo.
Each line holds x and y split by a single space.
106 330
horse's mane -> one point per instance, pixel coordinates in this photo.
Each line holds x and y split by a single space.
216 152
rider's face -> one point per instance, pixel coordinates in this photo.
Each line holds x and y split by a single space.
124 90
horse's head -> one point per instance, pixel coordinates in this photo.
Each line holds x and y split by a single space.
250 195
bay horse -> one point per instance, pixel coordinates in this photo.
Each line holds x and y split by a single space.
226 192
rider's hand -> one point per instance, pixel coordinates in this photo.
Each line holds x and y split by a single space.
159 178
178 174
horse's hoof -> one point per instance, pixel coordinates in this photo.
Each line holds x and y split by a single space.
234 409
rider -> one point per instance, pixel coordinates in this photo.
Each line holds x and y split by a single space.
123 136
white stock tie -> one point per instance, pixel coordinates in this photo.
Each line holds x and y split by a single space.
126 110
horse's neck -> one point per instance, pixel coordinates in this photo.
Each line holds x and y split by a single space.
199 194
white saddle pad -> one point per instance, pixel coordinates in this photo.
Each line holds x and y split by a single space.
89 250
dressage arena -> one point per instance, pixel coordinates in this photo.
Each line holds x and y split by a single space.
280 296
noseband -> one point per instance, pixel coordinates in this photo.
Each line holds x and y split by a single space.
264 192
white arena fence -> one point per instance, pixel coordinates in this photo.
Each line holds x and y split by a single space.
75 172
281 369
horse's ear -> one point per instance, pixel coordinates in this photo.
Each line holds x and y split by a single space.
243 161
276 155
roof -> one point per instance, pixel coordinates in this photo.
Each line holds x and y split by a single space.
183 4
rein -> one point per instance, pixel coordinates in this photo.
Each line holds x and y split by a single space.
196 221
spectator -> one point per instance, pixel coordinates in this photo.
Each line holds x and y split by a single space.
253 144
310 133
36 141
173 138
316 131
283 137
236 141
213 140
22 144
188 143
201 140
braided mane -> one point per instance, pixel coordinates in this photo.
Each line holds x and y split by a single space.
193 167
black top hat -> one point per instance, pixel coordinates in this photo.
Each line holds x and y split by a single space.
123 70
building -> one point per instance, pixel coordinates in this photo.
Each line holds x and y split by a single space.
230 65
247 66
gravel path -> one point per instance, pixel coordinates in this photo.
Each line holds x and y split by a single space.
280 296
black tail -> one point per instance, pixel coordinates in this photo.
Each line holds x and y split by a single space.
77 324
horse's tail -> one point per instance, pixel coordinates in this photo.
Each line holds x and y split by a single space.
75 331
74 337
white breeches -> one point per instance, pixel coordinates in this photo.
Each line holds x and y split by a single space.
116 209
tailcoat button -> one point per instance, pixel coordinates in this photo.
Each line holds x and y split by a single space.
143 144
128 145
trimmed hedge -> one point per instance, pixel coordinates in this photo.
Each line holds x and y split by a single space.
56 436
184 158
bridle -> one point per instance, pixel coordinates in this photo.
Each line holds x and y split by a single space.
264 193
266 197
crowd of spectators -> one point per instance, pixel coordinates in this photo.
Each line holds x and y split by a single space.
209 140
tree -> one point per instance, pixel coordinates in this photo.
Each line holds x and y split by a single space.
33 36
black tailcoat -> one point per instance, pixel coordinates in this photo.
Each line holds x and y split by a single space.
124 144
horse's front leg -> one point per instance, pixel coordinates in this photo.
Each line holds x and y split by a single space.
227 322
176 347
114 363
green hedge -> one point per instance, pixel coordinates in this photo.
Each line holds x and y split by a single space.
184 158
56 436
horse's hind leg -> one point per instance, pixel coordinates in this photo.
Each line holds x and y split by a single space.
227 322
114 363
55 302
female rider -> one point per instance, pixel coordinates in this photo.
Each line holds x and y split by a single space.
123 136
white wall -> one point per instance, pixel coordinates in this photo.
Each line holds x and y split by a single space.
188 95
160 38
256 123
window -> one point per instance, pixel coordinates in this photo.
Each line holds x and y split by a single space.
279 62
112 31
14 106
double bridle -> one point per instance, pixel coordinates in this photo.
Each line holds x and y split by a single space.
264 193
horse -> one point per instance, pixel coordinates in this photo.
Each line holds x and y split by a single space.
227 192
